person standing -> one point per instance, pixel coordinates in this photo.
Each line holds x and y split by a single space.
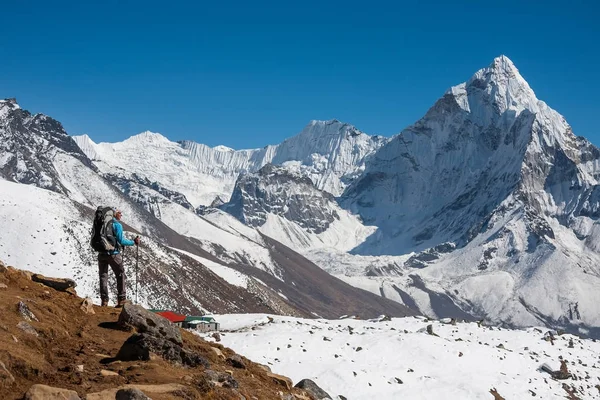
114 259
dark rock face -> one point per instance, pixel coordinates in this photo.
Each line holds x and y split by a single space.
29 144
236 361
151 195
278 191
145 321
60 284
131 394
313 389
140 345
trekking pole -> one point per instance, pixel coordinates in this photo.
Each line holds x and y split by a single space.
137 260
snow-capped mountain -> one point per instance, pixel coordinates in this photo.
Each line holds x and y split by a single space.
441 179
330 153
486 207
489 193
180 249
497 183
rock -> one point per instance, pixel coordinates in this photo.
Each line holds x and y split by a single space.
140 345
60 284
220 379
281 380
2 267
105 372
266 368
26 312
25 327
236 361
43 392
6 378
216 336
3 286
145 321
79 368
313 389
15 339
87 306
131 394
218 352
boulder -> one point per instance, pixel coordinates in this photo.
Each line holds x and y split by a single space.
43 392
87 306
2 267
281 380
140 345
6 378
131 394
60 284
236 361
145 321
313 389
3 286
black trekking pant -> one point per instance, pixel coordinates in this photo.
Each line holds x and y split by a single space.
116 263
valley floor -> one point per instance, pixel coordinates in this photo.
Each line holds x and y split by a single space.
399 359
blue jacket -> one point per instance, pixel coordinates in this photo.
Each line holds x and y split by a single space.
121 240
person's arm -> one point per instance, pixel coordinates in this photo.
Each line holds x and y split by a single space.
122 240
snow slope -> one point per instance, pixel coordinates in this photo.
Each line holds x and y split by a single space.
47 233
398 359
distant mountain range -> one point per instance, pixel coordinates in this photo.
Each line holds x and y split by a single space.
487 207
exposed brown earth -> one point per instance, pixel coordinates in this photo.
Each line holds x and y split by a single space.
70 348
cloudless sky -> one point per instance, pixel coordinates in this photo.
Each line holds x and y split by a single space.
247 74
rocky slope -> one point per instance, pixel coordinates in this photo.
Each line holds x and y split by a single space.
48 338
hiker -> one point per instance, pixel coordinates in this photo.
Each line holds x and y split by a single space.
109 233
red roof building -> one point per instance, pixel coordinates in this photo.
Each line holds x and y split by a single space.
175 318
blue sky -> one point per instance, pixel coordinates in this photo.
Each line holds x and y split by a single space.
249 74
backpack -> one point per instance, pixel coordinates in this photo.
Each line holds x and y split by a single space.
103 237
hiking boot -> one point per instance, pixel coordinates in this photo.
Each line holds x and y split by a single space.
121 303
104 303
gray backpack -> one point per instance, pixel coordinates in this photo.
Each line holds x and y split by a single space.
103 237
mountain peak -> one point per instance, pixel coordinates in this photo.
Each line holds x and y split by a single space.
501 84
332 127
147 137
7 105
504 65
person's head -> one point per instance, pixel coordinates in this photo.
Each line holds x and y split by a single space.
118 215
